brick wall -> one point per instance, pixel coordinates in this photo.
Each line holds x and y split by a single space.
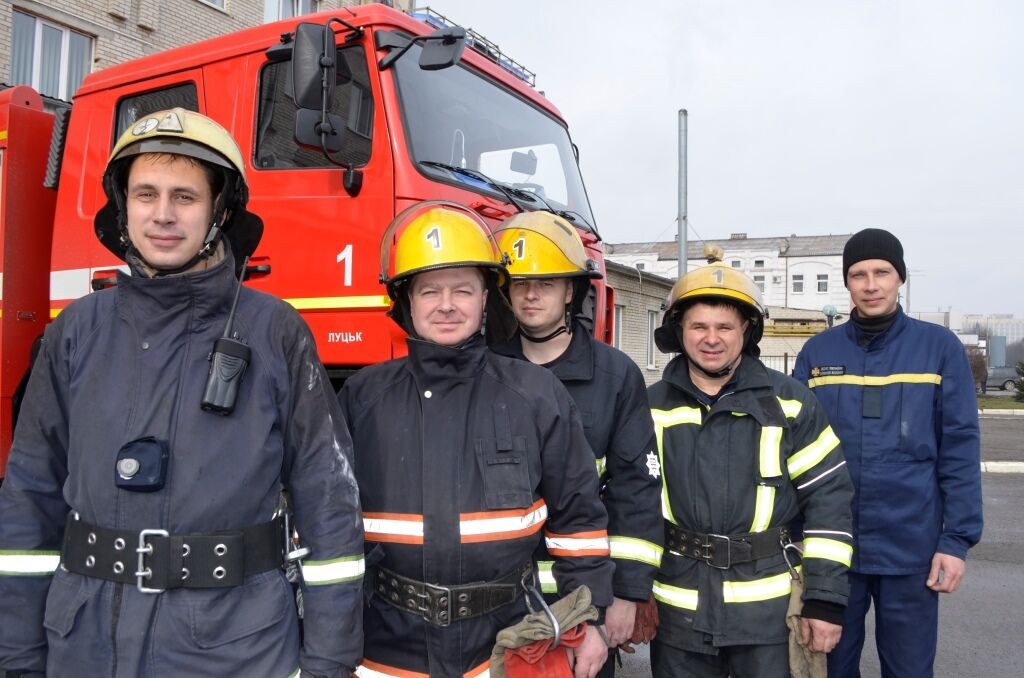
637 294
126 29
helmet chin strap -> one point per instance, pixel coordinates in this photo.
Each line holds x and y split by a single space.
563 329
724 372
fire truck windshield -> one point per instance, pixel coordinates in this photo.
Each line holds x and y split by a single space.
457 117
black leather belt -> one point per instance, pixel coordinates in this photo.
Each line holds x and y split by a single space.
722 551
441 605
154 560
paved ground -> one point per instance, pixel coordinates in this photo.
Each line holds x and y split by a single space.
1002 438
981 626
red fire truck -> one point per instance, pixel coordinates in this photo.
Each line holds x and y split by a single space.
345 120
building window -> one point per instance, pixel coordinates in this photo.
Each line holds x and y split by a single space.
219 4
735 263
823 282
275 10
758 263
798 284
620 311
51 58
759 281
652 324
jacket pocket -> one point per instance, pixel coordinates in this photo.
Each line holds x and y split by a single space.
917 436
505 473
65 599
240 611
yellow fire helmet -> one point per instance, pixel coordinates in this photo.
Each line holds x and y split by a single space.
181 132
714 282
440 234
544 245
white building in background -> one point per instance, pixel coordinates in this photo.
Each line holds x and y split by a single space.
996 325
801 272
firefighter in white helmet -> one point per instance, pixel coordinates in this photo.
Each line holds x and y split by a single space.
744 450
467 461
551 275
141 534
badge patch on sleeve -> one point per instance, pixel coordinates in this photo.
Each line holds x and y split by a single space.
653 467
828 371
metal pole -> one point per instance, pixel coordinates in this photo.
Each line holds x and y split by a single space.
907 309
681 220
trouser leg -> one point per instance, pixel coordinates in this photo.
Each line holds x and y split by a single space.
671 662
906 626
758 661
844 659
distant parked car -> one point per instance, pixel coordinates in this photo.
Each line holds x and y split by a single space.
1001 377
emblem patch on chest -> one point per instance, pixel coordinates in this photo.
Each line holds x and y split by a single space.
653 466
828 371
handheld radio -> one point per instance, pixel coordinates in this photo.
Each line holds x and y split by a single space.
228 360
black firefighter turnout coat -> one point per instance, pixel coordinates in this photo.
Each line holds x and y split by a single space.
130 362
610 393
758 458
466 462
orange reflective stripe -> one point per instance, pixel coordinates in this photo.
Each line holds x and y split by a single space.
393 528
593 543
501 525
371 669
477 527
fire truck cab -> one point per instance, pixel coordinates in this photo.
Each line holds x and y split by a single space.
397 108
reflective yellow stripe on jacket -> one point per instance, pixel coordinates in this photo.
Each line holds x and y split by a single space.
29 563
546 577
631 548
884 380
770 463
829 549
662 420
755 590
811 455
334 571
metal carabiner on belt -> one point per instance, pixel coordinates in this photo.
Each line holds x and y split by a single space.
531 591
786 544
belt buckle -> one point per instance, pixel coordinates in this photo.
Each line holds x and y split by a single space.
437 607
144 549
715 540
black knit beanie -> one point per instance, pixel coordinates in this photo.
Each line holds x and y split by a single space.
874 243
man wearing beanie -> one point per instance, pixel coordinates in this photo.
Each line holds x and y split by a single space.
900 394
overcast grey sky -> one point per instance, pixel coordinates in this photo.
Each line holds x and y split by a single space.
805 116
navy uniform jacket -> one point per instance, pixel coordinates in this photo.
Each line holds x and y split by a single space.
130 362
466 462
905 410
609 391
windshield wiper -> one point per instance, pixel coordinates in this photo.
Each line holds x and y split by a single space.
513 195
516 195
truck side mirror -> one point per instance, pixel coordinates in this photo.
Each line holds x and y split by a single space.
309 60
443 48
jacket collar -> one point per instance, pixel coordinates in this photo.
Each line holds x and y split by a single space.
430 362
207 293
750 377
575 364
899 324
